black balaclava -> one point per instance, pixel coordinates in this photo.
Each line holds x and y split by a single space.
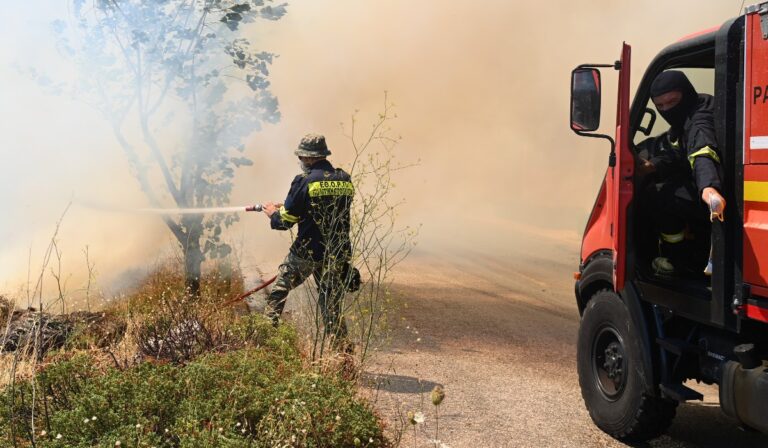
670 81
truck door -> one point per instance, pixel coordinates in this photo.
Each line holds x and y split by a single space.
620 175
755 262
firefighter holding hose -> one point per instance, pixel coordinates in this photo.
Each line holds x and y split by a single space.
319 201
687 164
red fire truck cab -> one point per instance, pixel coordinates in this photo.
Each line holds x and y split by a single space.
642 336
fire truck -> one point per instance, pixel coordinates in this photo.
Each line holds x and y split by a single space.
644 338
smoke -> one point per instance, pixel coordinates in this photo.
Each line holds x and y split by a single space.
481 90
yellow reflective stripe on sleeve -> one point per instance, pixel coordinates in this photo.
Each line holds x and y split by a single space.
331 188
675 143
755 191
704 152
287 217
673 237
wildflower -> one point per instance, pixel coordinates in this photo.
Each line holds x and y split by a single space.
418 417
370 440
138 425
87 420
43 433
118 443
58 436
238 424
338 417
437 395
243 430
221 429
93 418
418 339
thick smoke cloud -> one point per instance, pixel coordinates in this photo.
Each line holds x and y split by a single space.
482 97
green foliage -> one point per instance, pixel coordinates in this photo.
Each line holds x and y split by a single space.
178 68
260 395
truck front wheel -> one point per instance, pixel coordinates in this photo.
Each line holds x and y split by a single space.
612 373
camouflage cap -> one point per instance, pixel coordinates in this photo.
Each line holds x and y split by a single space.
312 145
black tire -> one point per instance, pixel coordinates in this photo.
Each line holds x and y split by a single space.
612 373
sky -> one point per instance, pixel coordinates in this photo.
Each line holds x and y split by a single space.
480 91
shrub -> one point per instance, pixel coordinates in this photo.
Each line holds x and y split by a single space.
258 395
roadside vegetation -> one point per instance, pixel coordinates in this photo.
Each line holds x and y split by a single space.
168 365
165 368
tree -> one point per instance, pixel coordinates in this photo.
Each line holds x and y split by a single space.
184 67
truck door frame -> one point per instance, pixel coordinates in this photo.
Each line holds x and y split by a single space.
724 48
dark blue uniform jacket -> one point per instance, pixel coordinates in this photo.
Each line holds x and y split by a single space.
320 202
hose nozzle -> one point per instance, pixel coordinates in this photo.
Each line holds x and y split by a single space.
254 208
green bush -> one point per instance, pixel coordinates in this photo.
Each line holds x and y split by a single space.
257 396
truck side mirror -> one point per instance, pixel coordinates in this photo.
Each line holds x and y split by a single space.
585 99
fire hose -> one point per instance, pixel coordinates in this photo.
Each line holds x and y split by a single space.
250 291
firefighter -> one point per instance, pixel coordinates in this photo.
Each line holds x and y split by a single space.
319 201
686 165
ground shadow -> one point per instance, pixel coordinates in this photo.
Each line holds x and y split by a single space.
396 383
704 425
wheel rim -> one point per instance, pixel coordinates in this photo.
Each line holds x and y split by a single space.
609 363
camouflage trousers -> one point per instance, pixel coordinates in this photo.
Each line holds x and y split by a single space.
328 278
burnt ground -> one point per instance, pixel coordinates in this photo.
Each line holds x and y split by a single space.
499 334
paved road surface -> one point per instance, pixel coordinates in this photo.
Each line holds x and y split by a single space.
499 335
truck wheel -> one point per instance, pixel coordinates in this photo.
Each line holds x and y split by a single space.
612 373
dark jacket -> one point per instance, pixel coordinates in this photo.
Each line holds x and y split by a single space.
320 202
692 150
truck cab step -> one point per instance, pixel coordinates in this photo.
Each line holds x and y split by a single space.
679 392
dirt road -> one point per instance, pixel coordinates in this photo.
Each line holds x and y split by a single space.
499 335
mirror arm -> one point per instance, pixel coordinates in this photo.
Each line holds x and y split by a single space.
612 156
616 66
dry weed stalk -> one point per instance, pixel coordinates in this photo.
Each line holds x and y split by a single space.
37 349
378 244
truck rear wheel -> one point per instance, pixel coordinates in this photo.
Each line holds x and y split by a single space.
612 373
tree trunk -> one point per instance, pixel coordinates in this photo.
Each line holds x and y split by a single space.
193 260
193 254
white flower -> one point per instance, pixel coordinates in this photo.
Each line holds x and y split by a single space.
87 420
93 418
338 417
237 425
221 429
43 433
118 443
58 436
418 339
418 417
138 425
370 440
